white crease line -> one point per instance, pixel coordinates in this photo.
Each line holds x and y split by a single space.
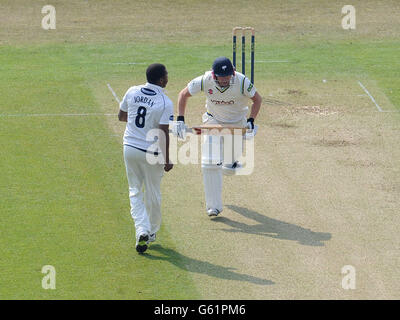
271 61
57 114
128 63
371 97
113 93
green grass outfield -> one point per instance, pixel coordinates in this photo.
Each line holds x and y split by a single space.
63 191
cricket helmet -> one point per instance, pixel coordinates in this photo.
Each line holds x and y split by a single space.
222 67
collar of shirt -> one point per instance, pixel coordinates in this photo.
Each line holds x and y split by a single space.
154 85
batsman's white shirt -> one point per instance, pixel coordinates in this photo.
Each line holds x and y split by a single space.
147 106
227 104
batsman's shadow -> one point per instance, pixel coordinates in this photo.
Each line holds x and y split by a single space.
273 228
203 267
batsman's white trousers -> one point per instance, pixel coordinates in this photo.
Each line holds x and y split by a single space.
211 163
144 190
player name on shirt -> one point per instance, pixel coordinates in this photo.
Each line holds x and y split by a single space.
144 100
222 101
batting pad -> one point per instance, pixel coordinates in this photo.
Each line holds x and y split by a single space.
212 179
211 150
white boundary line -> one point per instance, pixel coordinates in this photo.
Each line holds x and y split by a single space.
57 115
371 97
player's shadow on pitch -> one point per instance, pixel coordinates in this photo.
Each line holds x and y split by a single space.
273 228
198 266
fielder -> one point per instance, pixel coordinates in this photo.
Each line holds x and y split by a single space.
145 108
227 94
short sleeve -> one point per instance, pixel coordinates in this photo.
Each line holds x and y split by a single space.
196 85
168 113
249 90
124 103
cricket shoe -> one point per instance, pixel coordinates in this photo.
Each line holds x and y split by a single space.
213 212
152 238
231 169
141 243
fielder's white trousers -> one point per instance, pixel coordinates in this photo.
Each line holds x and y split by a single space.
144 190
211 163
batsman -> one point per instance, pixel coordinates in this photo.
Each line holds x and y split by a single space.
228 94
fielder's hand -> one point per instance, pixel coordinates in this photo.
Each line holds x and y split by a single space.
179 128
168 167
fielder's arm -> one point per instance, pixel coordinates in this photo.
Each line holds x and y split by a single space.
164 144
123 116
183 97
255 108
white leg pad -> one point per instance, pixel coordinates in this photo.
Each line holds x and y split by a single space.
212 178
211 150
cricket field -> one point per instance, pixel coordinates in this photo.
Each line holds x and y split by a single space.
317 219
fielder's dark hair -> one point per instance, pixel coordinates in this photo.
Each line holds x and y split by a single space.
155 72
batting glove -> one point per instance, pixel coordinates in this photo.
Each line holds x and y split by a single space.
250 124
179 128
251 129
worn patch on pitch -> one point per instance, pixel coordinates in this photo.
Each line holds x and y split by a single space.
284 125
334 143
315 110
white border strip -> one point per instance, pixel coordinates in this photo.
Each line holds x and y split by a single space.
371 97
113 93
